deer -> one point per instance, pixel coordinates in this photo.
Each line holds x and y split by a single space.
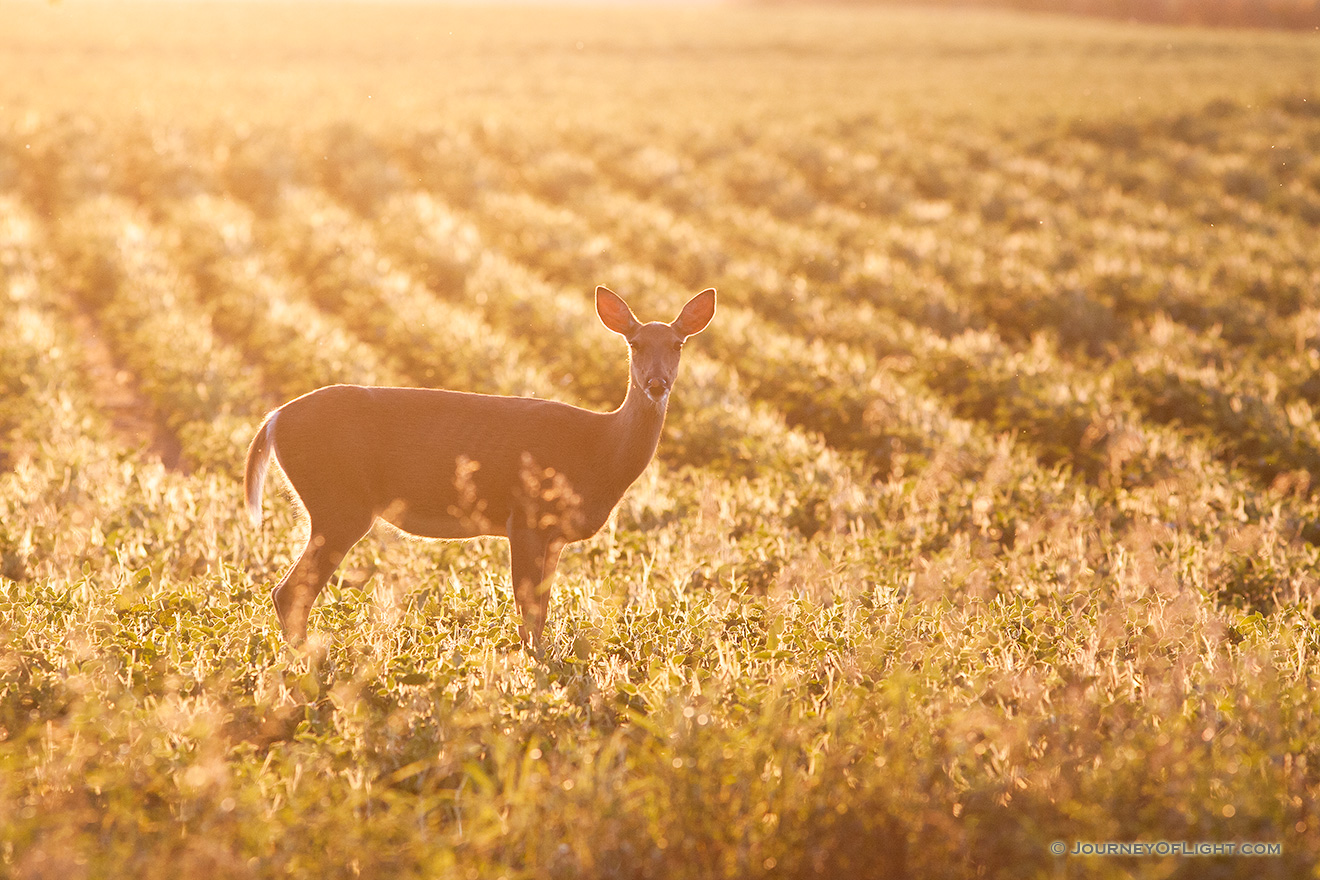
456 465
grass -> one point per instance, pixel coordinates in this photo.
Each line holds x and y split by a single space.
984 518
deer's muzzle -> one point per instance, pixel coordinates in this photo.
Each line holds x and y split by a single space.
657 388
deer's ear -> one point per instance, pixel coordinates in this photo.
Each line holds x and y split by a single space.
614 312
696 314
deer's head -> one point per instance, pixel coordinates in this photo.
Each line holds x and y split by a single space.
654 348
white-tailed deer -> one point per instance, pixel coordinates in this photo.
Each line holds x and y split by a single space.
448 464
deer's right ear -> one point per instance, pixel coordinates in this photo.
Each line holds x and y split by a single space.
614 312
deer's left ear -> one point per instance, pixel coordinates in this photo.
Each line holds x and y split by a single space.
696 314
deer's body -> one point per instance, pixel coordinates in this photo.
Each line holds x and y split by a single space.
448 464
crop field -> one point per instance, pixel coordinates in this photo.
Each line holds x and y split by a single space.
984 531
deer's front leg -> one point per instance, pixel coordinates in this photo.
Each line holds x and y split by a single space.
533 556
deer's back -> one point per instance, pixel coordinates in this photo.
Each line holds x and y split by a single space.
439 463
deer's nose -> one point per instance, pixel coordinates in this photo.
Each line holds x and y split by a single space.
657 388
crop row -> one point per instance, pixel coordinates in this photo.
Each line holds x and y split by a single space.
549 321
27 366
1077 315
836 404
1033 405
801 380
258 307
1068 426
46 436
1251 259
117 265
230 263
814 404
818 386
1064 412
503 216
1080 205
309 293
1011 278
76 492
342 265
1251 275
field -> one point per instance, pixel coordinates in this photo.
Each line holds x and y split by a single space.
986 516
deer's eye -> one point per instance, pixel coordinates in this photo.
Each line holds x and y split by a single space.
678 346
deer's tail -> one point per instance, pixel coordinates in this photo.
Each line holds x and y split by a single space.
258 460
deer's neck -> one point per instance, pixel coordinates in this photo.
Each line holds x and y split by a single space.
636 426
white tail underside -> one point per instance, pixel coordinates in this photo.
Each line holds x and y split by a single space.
257 471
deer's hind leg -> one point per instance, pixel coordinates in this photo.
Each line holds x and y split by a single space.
295 594
533 557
